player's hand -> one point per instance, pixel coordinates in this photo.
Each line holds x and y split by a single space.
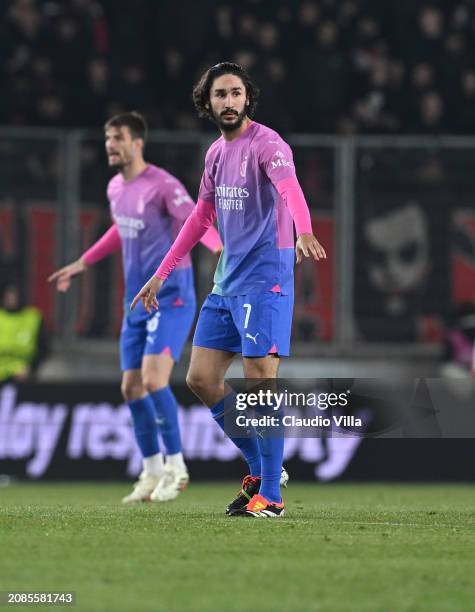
64 275
308 245
148 294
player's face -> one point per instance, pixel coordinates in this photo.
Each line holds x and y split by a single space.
121 148
228 101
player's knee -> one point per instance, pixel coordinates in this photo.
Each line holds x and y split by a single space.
131 391
153 383
196 382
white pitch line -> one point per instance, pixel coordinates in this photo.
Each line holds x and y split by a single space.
404 524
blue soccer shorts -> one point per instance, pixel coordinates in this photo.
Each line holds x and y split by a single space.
163 331
254 324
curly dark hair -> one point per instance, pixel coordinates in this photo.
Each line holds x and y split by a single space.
202 88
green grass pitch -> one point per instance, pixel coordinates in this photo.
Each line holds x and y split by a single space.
340 547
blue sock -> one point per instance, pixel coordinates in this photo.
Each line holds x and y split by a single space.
145 425
248 446
167 416
272 454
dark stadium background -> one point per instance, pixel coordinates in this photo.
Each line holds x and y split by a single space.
376 99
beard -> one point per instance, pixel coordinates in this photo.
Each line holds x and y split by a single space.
230 126
119 163
118 160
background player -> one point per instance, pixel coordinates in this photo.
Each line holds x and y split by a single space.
148 207
249 185
24 341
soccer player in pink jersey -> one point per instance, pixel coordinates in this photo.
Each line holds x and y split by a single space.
249 185
148 208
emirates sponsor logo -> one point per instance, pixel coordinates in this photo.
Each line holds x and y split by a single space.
129 227
231 191
231 197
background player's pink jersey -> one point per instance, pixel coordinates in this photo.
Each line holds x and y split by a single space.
256 227
149 211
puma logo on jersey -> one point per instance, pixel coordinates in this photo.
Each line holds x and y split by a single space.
253 338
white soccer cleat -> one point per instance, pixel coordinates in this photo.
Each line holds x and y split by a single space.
173 482
284 478
143 488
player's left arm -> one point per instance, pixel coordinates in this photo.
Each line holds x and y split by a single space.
307 244
277 162
179 205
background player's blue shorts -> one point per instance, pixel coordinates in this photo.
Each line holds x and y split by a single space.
166 329
253 324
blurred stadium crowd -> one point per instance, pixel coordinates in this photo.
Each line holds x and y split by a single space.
359 66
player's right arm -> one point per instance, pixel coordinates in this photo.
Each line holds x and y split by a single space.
106 245
195 227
